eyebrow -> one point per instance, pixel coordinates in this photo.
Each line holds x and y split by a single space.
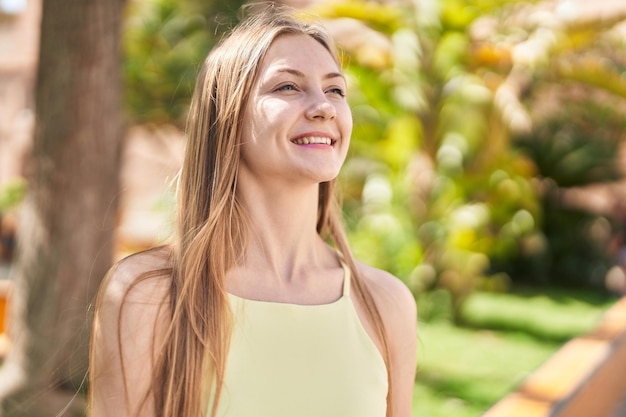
300 74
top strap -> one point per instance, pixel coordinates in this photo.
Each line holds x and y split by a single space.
346 276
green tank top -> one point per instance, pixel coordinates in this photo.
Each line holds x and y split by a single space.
289 360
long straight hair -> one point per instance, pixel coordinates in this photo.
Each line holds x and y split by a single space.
211 223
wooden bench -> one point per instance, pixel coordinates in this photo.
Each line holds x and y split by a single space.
585 378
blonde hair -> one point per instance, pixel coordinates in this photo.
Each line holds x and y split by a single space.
211 224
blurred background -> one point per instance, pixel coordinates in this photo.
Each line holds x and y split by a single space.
487 171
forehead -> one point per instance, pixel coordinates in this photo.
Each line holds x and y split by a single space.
299 52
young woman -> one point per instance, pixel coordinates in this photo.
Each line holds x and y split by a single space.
258 307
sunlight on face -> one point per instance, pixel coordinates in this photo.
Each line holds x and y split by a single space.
297 125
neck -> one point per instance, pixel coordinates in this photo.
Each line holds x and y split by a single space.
283 238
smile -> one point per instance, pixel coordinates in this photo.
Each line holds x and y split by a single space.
310 140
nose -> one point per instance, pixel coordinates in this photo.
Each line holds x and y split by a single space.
320 108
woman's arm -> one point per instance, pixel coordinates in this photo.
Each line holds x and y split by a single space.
399 314
131 318
401 326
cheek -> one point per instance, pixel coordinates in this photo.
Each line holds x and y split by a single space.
349 123
272 112
344 114
261 120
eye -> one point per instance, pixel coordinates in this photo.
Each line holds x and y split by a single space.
287 87
336 90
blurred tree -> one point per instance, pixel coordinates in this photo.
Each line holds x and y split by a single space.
575 143
565 80
437 106
68 215
427 121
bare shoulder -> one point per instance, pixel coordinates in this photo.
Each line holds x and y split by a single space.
133 297
138 278
130 321
391 295
133 301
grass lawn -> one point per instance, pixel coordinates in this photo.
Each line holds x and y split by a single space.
462 371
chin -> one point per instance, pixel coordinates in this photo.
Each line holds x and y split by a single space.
320 174
326 178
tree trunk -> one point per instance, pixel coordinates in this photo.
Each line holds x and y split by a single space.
65 235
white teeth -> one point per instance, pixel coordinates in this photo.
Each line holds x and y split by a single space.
312 140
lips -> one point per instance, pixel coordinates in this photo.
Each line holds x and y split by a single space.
311 140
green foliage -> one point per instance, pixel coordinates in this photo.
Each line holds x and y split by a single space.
165 42
436 125
378 16
454 192
577 143
576 250
11 194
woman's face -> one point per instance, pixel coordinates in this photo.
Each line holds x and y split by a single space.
297 124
